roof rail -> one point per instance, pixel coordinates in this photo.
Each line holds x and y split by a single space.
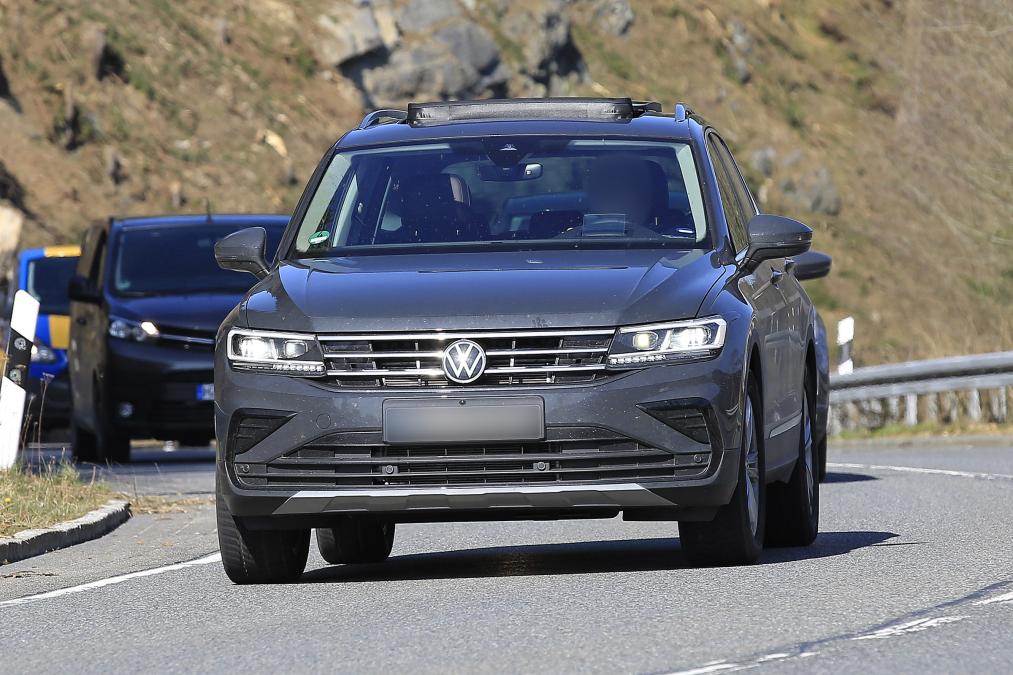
641 107
566 108
682 111
377 116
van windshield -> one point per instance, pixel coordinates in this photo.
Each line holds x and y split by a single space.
528 192
47 282
170 260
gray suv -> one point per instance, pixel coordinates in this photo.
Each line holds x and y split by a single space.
518 309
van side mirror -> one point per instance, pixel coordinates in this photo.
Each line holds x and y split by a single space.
81 289
243 251
776 237
812 265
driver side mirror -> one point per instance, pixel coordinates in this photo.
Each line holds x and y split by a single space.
80 289
776 237
243 251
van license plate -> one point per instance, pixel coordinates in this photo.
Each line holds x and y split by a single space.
205 392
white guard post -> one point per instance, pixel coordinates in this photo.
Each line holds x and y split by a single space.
15 376
845 342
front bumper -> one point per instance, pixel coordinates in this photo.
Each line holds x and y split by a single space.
160 384
315 411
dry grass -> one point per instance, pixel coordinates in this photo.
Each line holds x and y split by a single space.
158 504
42 498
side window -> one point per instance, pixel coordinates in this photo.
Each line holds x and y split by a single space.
738 184
735 214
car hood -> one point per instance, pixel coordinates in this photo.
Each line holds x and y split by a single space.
489 290
200 312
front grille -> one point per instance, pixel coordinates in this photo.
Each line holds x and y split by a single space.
512 358
187 338
182 413
570 455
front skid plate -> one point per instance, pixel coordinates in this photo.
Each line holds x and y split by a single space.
616 496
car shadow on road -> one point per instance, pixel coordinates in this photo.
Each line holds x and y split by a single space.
844 477
625 555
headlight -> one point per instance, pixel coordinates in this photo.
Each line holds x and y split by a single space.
138 331
270 352
43 354
635 346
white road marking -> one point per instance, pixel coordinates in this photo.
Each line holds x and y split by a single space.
915 626
1004 598
708 668
91 585
918 469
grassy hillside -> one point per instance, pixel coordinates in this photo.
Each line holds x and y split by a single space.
884 124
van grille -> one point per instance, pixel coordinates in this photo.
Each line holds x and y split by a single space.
512 358
576 455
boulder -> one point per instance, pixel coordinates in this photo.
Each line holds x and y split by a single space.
762 160
421 15
348 31
613 16
823 195
549 56
471 44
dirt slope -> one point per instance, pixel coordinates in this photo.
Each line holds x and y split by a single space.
886 125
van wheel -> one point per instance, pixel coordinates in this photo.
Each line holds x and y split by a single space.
113 446
259 556
735 536
83 444
793 510
355 539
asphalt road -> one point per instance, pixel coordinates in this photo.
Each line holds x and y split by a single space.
912 571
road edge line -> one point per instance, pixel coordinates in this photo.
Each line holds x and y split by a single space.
92 525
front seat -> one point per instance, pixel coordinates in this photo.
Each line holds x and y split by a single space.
436 208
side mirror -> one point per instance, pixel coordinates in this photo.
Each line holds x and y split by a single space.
80 289
812 265
776 237
243 251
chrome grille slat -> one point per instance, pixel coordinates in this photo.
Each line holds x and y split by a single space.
513 358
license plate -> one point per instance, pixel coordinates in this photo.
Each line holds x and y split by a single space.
205 392
463 420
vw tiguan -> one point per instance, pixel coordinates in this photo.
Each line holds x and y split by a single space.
517 309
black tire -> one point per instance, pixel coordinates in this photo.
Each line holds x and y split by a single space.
356 540
83 444
822 450
793 510
735 537
113 446
259 556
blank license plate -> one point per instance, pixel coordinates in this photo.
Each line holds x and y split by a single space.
205 392
463 420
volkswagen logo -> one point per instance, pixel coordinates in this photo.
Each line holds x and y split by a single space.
464 361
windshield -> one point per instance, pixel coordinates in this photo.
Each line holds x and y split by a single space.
166 260
48 279
528 192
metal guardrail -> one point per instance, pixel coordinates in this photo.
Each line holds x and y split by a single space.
960 388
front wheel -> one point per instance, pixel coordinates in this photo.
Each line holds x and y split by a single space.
735 536
355 539
259 556
793 512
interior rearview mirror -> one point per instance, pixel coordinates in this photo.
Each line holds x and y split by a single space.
80 289
243 251
508 174
812 265
776 237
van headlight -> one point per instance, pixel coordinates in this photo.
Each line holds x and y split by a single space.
635 346
138 331
279 353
